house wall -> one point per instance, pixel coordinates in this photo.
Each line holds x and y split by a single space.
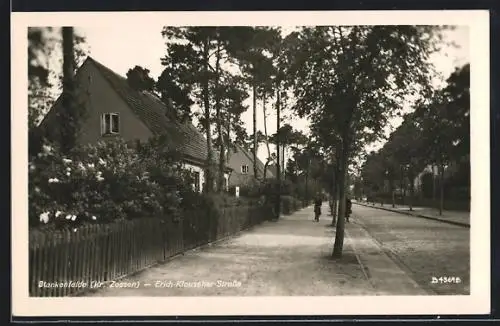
236 161
201 171
448 172
239 179
98 97
103 99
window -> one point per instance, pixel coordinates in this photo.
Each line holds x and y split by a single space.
196 180
244 169
110 123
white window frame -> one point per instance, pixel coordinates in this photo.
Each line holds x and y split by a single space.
245 169
112 128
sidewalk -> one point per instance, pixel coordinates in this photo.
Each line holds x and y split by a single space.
452 217
290 257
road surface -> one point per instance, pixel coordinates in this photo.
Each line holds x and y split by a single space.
427 250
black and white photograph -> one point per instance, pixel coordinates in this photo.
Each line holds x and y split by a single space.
267 156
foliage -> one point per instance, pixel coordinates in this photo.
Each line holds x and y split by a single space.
435 133
139 79
194 74
101 183
288 136
45 73
350 80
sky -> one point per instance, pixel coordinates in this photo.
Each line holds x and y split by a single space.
122 47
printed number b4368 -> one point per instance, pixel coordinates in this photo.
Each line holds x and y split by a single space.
446 280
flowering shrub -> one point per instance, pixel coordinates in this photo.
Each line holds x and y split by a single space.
103 182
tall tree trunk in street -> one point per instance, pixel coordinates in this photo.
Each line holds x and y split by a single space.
209 181
255 142
307 183
391 185
265 134
402 183
278 168
220 181
283 149
336 184
434 186
266 166
334 196
265 124
412 188
441 187
340 229
69 121
228 140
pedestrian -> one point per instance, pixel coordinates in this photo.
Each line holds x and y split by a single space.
317 207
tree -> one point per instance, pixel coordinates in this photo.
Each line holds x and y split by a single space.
444 122
234 94
70 118
355 77
177 84
45 76
139 79
231 95
194 46
403 152
254 54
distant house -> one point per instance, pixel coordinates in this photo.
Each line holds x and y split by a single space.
241 163
114 109
448 172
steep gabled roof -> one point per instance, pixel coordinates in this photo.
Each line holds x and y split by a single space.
260 165
153 112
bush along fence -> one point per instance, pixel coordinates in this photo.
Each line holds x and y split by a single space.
69 262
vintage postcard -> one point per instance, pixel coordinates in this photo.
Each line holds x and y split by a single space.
250 163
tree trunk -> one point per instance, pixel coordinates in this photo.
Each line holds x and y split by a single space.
393 198
266 166
338 159
402 184
228 141
339 233
334 197
220 181
412 189
265 124
307 184
283 149
434 190
278 168
441 186
255 142
335 207
69 116
209 181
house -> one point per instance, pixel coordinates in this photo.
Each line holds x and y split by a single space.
241 163
449 171
114 109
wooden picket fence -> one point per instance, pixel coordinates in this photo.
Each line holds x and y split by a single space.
69 262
